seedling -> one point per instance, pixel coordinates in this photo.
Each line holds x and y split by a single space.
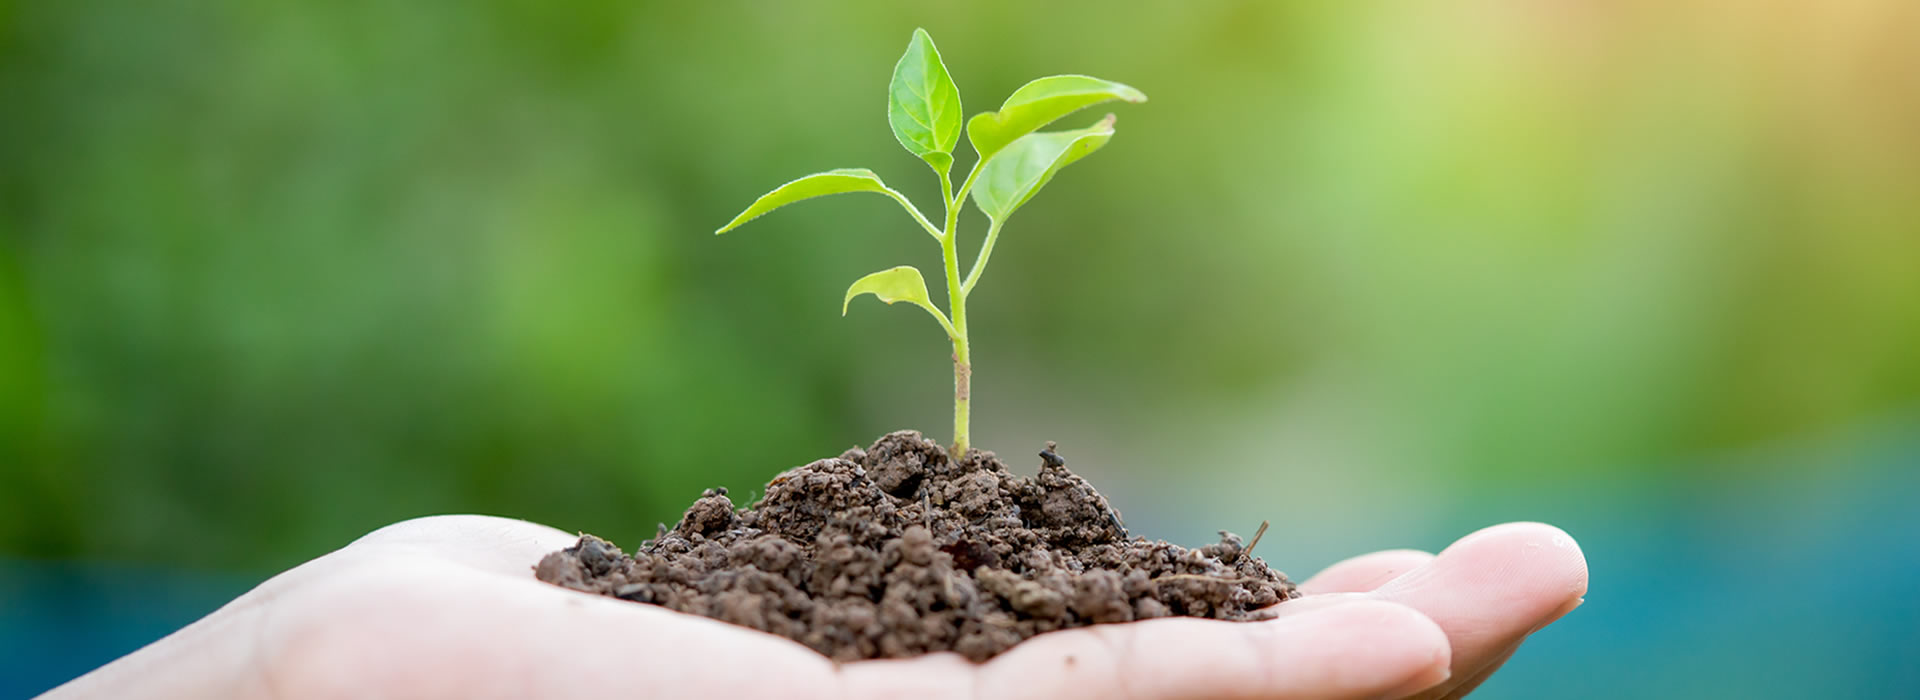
1014 160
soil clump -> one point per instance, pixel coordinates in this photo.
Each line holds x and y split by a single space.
898 550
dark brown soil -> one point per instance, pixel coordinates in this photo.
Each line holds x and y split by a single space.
896 550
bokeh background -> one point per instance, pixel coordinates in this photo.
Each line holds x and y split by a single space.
274 274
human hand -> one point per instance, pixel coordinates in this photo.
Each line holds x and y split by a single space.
447 606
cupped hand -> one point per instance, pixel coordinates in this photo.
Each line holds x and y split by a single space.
447 606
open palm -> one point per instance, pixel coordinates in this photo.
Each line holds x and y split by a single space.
447 606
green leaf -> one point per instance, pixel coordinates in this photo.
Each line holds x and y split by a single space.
815 185
902 283
923 106
1039 103
1026 165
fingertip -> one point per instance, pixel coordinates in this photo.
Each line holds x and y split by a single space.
1536 558
1492 588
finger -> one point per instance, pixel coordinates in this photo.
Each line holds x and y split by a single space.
1365 572
1492 588
498 545
1360 649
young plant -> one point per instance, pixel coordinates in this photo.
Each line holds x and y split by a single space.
1014 160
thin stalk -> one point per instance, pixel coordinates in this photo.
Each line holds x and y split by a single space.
962 363
966 184
957 307
980 262
915 211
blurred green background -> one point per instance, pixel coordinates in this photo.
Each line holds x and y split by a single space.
274 274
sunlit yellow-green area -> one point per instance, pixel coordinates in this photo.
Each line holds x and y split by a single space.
273 274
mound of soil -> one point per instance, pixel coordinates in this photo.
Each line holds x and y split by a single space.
897 550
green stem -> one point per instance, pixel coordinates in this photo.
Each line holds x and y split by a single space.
967 184
915 211
957 307
980 261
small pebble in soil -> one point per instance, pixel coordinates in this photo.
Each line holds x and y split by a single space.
899 550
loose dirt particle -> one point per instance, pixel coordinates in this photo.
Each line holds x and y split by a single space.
898 550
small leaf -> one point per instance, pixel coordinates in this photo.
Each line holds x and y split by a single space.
1019 171
923 106
1038 104
902 283
815 185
